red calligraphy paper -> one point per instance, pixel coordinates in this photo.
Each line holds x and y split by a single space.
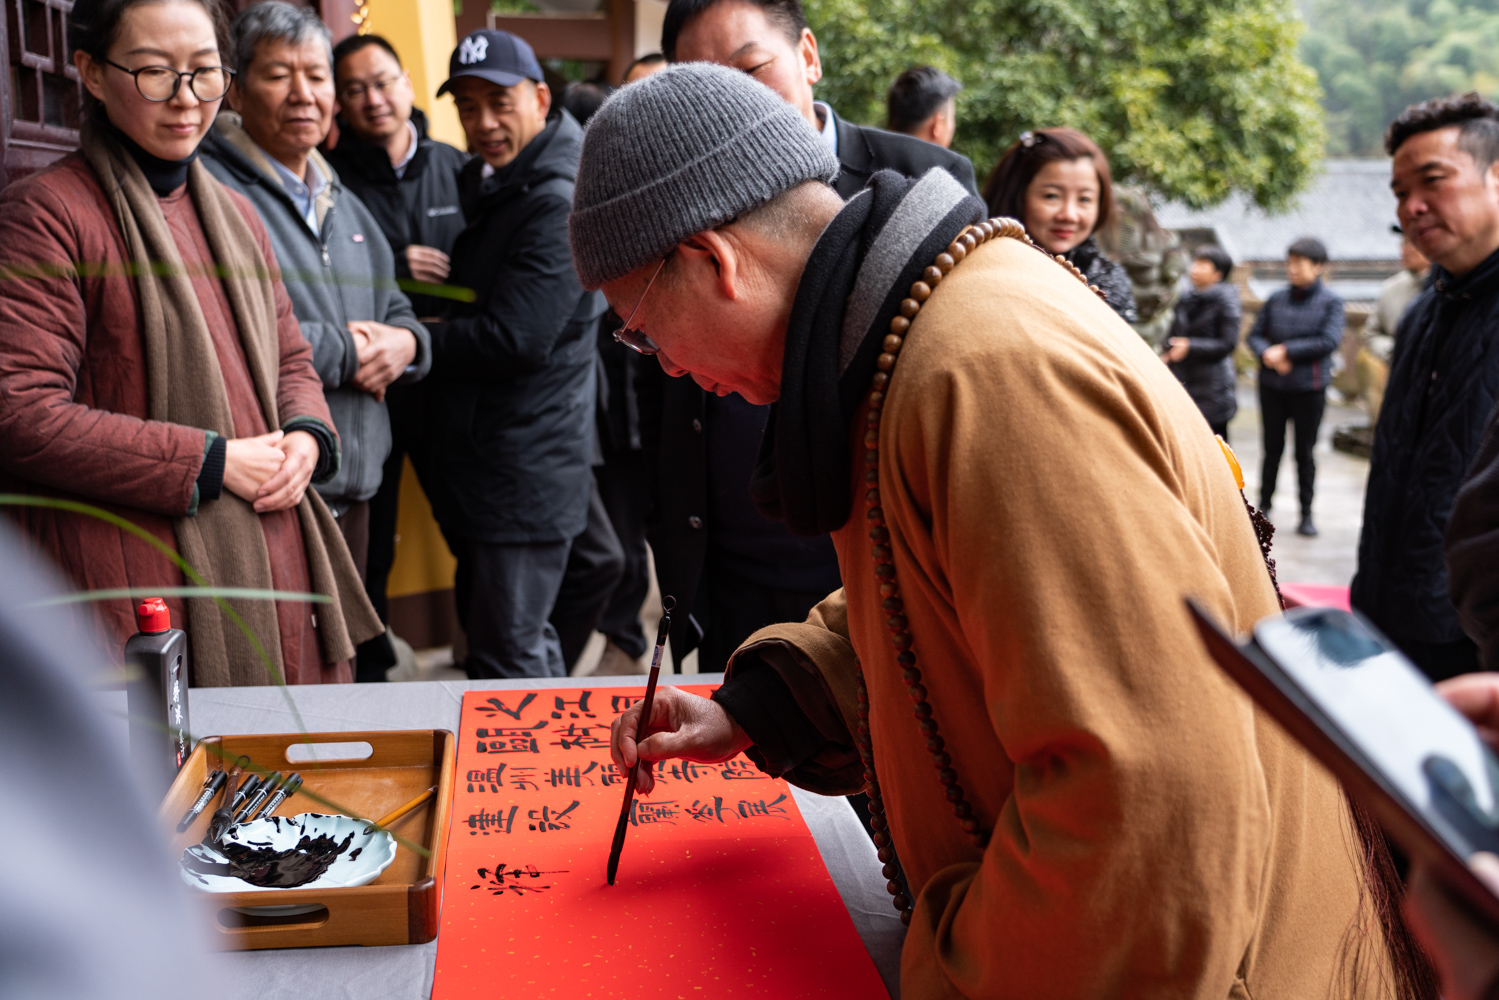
721 890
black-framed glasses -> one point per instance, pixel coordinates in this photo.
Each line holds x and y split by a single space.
161 83
637 340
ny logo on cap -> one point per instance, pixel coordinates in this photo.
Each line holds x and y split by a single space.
473 50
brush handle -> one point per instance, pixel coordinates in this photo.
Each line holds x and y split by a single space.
618 846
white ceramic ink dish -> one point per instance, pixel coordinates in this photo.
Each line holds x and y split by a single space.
360 861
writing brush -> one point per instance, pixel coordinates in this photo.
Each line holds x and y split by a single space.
667 603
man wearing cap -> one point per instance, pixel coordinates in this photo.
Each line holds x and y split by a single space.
1020 495
507 426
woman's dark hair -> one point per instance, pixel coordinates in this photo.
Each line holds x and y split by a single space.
1014 172
1312 249
94 24
784 14
1216 256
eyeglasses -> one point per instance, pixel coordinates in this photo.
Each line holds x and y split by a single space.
161 83
636 340
358 91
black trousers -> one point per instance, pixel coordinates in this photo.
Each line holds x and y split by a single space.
1305 409
1220 429
625 490
375 657
504 592
1441 660
737 608
595 563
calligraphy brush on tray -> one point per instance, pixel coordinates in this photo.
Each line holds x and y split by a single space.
667 603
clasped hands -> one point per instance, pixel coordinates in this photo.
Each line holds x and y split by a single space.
384 353
271 471
681 725
1276 357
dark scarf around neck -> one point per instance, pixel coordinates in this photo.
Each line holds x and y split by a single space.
852 286
163 176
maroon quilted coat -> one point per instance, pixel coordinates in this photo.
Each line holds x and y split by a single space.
73 394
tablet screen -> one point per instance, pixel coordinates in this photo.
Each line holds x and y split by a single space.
1389 710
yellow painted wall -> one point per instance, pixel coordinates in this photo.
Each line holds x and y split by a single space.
423 561
424 34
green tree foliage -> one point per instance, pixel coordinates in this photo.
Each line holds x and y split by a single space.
1375 57
1194 99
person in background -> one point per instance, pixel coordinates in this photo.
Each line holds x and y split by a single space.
770 40
651 62
1372 364
731 569
582 98
1203 336
507 425
923 102
409 183
1056 181
1294 336
187 405
339 271
1444 379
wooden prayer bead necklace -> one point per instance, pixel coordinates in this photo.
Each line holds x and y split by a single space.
884 566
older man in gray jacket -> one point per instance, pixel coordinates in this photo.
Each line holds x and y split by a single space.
337 266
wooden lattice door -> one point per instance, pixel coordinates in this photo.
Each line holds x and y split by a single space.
40 97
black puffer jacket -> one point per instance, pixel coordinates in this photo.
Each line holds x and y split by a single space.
1310 324
507 425
1444 379
421 206
1109 275
1209 318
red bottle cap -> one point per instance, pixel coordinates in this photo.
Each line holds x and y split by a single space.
152 616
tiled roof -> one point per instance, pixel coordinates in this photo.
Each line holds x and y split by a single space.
1349 208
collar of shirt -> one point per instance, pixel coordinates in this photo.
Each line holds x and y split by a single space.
829 128
303 193
400 168
486 171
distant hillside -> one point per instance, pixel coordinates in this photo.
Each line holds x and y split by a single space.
1375 57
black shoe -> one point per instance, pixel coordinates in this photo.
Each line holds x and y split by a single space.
1264 504
1306 527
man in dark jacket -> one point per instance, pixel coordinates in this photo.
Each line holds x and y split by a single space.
1444 379
1204 333
1294 336
732 570
507 426
409 182
338 269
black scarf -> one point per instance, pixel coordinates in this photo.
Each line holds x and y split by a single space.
802 476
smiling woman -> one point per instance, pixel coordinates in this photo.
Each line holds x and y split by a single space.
1056 181
149 362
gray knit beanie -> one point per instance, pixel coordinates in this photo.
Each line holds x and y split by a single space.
679 153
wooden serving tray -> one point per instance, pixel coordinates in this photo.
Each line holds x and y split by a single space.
399 907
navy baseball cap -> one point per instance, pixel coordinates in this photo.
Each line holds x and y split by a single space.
496 56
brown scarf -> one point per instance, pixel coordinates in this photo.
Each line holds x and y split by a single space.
224 541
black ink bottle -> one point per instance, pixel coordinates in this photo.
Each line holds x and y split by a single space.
156 694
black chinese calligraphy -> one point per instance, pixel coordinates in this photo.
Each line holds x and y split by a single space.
573 709
584 737
546 819
708 812
498 880
491 779
494 706
511 739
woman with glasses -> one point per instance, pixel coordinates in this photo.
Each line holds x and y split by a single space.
1056 182
150 364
